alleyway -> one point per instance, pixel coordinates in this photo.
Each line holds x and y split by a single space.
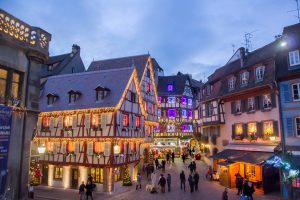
207 190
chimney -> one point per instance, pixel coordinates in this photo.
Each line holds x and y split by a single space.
75 49
242 56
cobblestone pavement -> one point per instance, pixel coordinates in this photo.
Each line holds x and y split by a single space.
207 189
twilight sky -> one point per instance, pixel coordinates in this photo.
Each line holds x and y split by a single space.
194 36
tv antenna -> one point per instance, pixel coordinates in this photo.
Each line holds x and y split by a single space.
233 48
298 13
248 42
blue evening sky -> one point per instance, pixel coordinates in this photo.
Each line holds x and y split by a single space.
193 36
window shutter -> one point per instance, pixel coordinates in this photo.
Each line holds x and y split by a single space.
134 122
244 105
60 122
233 131
106 149
55 148
120 120
245 131
257 103
39 124
262 102
90 148
290 126
76 147
232 107
63 148
142 122
275 128
125 148
51 123
87 120
103 120
285 93
259 129
74 121
273 99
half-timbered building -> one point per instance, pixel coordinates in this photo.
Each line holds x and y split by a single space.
92 123
176 113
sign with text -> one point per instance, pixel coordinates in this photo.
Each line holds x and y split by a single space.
5 127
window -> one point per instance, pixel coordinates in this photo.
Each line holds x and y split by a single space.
45 122
148 88
238 129
3 81
133 97
297 126
96 120
97 174
171 128
125 119
50 67
190 114
244 78
171 113
171 100
296 91
268 128
15 85
117 174
67 121
153 108
267 101
252 129
148 72
158 113
100 95
251 104
190 102
294 58
238 106
231 83
58 172
184 113
210 110
137 121
170 88
146 106
259 73
72 98
159 99
183 100
50 100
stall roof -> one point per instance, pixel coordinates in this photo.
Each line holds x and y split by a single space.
254 157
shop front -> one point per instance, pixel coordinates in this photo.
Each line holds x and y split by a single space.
250 165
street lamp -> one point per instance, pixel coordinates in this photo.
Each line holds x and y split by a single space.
283 43
41 149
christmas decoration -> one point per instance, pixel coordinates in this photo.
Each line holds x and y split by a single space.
126 177
35 173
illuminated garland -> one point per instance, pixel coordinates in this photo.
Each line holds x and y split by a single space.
49 139
79 111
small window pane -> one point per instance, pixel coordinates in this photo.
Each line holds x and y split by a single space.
3 74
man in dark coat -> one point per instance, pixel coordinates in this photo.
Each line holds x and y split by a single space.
162 182
173 156
191 182
169 182
89 190
156 163
182 180
196 179
163 165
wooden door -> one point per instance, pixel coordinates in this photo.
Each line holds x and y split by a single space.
74 179
234 169
45 175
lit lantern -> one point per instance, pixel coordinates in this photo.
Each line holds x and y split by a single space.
67 121
95 120
99 147
71 146
42 149
117 149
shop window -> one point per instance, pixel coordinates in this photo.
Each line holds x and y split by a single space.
125 120
259 73
97 174
3 82
137 121
294 58
296 91
58 173
252 129
267 103
268 128
250 171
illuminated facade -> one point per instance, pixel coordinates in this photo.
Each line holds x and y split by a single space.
91 123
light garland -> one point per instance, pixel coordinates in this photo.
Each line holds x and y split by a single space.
79 111
48 139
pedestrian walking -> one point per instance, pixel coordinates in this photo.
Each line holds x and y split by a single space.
191 182
156 163
162 183
191 167
168 158
153 178
169 182
173 156
209 173
251 190
139 181
148 171
239 183
196 179
225 194
163 165
30 191
89 190
90 178
183 158
194 165
81 190
182 180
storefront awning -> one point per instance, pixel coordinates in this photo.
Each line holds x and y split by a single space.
254 157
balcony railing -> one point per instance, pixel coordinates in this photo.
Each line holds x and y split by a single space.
14 30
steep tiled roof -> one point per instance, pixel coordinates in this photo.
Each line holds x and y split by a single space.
156 65
178 82
138 61
85 83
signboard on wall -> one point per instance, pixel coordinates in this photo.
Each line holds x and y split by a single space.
5 130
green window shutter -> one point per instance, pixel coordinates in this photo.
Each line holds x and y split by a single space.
275 128
285 93
290 126
233 131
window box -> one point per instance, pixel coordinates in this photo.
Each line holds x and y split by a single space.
239 137
253 137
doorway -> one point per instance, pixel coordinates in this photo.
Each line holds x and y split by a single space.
45 175
74 179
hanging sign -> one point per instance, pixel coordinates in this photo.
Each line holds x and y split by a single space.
5 128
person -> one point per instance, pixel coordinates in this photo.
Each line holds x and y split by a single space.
196 179
139 181
183 158
81 190
30 191
168 158
169 182
156 163
163 165
148 171
153 179
162 183
209 173
191 167
191 182
173 156
89 190
225 194
246 188
190 152
194 165
251 190
90 178
182 180
239 183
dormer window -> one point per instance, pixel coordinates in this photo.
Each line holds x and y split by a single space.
170 88
294 58
231 83
73 96
259 73
101 93
51 98
244 78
